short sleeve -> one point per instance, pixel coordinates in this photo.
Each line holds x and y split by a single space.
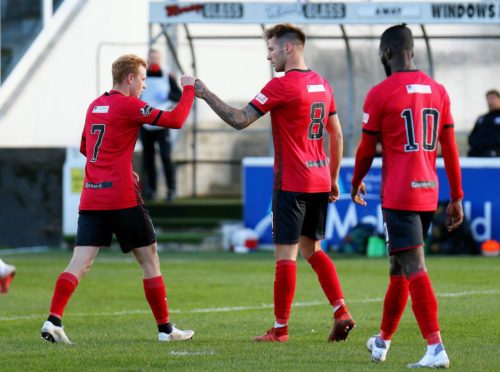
372 110
269 97
333 106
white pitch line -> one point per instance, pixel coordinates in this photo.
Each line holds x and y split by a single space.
240 308
189 353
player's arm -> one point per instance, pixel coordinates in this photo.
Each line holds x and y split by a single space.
142 113
449 150
367 150
236 118
336 151
177 117
83 144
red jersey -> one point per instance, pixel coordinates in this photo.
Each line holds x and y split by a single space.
300 103
111 129
408 111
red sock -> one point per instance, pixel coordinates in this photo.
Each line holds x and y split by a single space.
395 301
65 286
154 288
425 307
284 289
327 276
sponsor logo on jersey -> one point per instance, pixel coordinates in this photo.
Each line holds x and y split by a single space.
100 109
418 89
102 185
261 98
366 117
315 88
423 184
316 163
146 110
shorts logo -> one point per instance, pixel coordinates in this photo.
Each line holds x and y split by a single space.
146 110
315 88
366 117
100 109
262 99
418 89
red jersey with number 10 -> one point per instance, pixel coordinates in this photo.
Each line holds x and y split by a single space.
409 111
108 140
300 103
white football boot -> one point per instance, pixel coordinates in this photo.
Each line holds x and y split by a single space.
378 348
176 335
436 359
53 333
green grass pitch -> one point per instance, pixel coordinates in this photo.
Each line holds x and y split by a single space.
227 299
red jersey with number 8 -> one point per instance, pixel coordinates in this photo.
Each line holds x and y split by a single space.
409 111
111 129
300 103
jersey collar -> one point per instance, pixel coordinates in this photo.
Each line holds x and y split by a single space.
298 70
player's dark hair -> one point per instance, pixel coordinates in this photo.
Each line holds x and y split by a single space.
286 32
124 65
493 92
397 38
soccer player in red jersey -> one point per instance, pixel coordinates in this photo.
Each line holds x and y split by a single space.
408 113
111 201
302 109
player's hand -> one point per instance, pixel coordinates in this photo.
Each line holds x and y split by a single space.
187 80
334 193
454 215
199 88
355 194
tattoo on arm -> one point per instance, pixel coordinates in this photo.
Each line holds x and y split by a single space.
237 118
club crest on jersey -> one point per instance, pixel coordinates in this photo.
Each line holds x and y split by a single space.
261 98
418 89
366 117
146 110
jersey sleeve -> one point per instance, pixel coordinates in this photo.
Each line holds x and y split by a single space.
270 96
372 114
447 117
333 106
83 144
142 113
449 150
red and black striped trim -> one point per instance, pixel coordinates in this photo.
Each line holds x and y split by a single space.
157 117
332 113
259 111
446 126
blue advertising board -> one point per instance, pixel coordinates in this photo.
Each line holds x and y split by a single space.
480 179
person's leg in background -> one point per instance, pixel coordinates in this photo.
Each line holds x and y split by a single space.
148 162
166 159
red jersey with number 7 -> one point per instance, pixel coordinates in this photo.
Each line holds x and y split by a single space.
408 111
300 103
111 129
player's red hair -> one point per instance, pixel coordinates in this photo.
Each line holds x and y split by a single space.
124 65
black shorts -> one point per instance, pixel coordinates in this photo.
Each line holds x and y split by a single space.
298 213
132 226
405 229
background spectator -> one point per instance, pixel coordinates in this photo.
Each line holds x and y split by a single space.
484 140
162 92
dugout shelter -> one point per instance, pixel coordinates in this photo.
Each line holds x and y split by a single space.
339 21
